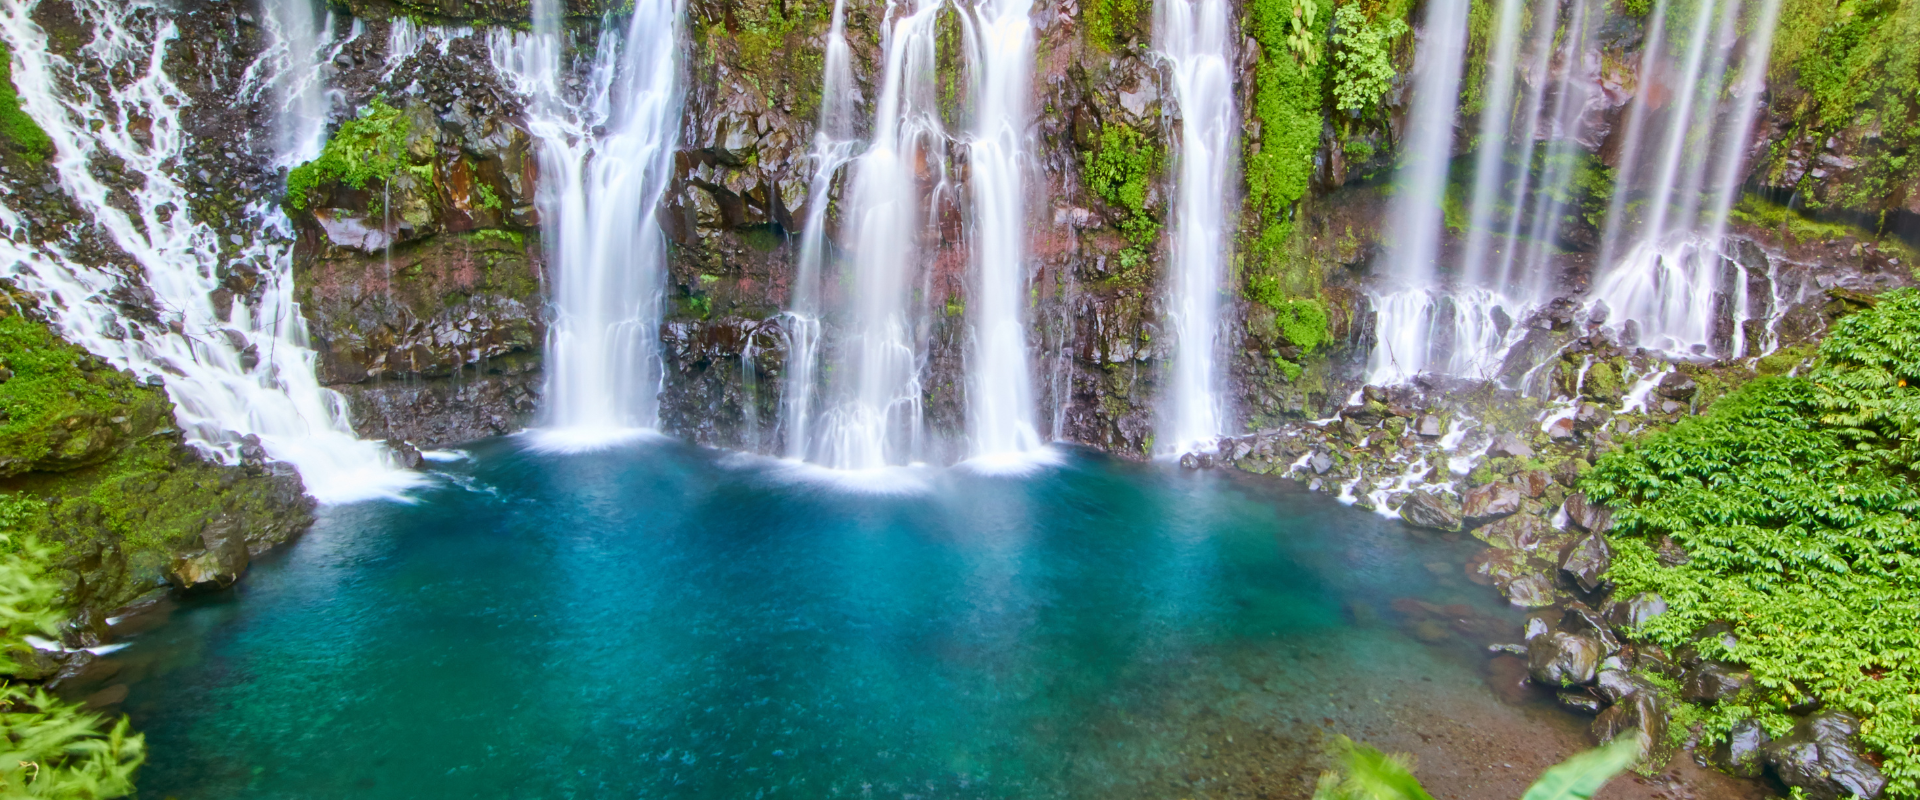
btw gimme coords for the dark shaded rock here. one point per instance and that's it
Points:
(1589, 417)
(1587, 516)
(1630, 614)
(1562, 659)
(1613, 684)
(1577, 618)
(1428, 510)
(1586, 562)
(1819, 758)
(1487, 503)
(406, 454)
(31, 664)
(1567, 472)
(1643, 712)
(217, 566)
(1744, 751)
(1581, 702)
(1713, 681)
(1509, 445)
(1677, 386)
(1669, 552)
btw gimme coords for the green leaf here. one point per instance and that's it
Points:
(1581, 776)
(1370, 775)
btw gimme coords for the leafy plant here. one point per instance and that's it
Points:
(1368, 774)
(371, 147)
(1362, 57)
(1794, 502)
(1120, 171)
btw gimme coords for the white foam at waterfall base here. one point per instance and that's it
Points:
(250, 375)
(1000, 403)
(1410, 324)
(1192, 37)
(605, 153)
(1667, 292)
(875, 394)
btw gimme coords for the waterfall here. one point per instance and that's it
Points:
(999, 387)
(606, 151)
(875, 388)
(236, 377)
(1414, 301)
(1192, 38)
(1669, 277)
(833, 144)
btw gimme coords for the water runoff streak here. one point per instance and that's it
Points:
(1663, 270)
(875, 417)
(833, 145)
(605, 153)
(1192, 37)
(999, 388)
(234, 377)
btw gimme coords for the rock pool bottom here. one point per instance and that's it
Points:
(663, 621)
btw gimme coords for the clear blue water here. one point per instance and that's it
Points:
(664, 621)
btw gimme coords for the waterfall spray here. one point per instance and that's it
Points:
(605, 156)
(999, 386)
(245, 373)
(876, 411)
(1192, 37)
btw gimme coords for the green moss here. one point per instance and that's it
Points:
(1856, 65)
(21, 132)
(1114, 22)
(60, 405)
(1121, 170)
(371, 147)
(488, 199)
(1759, 212)
(1795, 501)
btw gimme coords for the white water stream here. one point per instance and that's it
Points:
(250, 374)
(606, 130)
(875, 417)
(1192, 36)
(1000, 404)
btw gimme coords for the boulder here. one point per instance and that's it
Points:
(1589, 417)
(1587, 561)
(1743, 753)
(1581, 702)
(1533, 483)
(216, 566)
(1487, 503)
(1521, 532)
(1429, 426)
(1579, 619)
(1819, 758)
(1643, 712)
(1713, 681)
(1587, 516)
(1509, 445)
(1532, 590)
(1561, 659)
(1320, 462)
(1613, 684)
(1677, 386)
(1560, 430)
(1628, 615)
(1428, 510)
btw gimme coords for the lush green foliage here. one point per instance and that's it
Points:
(1111, 22)
(371, 147)
(1120, 171)
(1289, 96)
(20, 131)
(55, 397)
(1856, 64)
(1368, 774)
(1363, 55)
(1794, 500)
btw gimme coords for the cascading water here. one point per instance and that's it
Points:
(605, 156)
(1413, 305)
(1663, 271)
(243, 373)
(875, 388)
(833, 144)
(1192, 37)
(999, 387)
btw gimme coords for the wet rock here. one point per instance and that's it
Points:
(1509, 445)
(1428, 510)
(1490, 502)
(216, 566)
(406, 454)
(1669, 552)
(1577, 618)
(1320, 463)
(31, 664)
(1819, 758)
(1560, 430)
(1612, 684)
(1586, 562)
(1533, 483)
(1677, 386)
(1562, 659)
(1522, 532)
(1713, 681)
(1642, 712)
(1628, 615)
(1581, 702)
(1530, 591)
(1428, 426)
(1567, 473)
(1744, 752)
(1587, 516)
(1589, 417)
